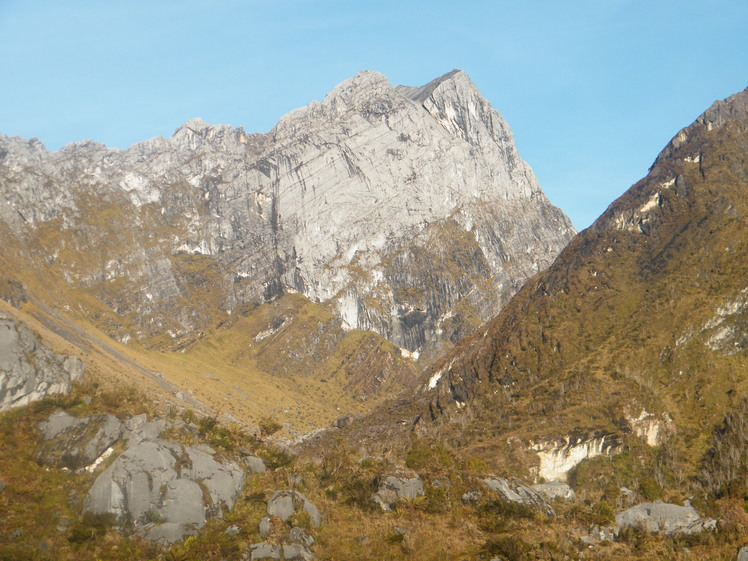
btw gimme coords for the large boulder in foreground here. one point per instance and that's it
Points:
(166, 490)
(665, 518)
(28, 370)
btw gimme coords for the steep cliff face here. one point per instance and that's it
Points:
(406, 211)
(644, 311)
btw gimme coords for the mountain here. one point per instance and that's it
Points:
(406, 212)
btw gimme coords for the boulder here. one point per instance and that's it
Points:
(513, 490)
(286, 503)
(264, 551)
(471, 497)
(254, 464)
(28, 370)
(555, 490)
(296, 552)
(161, 480)
(394, 488)
(665, 518)
(743, 554)
(74, 442)
(297, 535)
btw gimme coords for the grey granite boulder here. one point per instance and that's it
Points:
(29, 370)
(265, 526)
(665, 518)
(394, 488)
(286, 503)
(513, 490)
(157, 480)
(555, 490)
(296, 552)
(297, 535)
(264, 551)
(743, 554)
(254, 464)
(76, 443)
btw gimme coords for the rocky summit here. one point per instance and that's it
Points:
(405, 211)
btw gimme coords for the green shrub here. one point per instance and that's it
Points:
(90, 527)
(509, 547)
(650, 489)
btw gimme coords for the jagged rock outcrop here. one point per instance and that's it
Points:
(558, 458)
(406, 210)
(514, 491)
(29, 370)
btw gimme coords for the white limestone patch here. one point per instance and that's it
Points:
(558, 458)
(434, 380)
(651, 204)
(98, 461)
(649, 428)
(726, 332)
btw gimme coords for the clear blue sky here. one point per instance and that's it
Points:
(592, 89)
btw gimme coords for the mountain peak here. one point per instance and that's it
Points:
(365, 83)
(420, 94)
(720, 112)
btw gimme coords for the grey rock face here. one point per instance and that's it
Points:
(161, 480)
(264, 551)
(286, 503)
(407, 210)
(743, 554)
(555, 490)
(665, 518)
(254, 464)
(515, 491)
(77, 442)
(394, 488)
(295, 551)
(28, 370)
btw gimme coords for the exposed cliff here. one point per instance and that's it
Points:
(406, 211)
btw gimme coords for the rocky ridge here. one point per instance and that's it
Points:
(406, 211)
